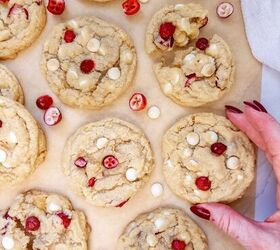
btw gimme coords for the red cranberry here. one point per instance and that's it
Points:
(137, 102)
(80, 162)
(190, 79)
(178, 245)
(167, 30)
(32, 223)
(203, 183)
(1, 123)
(65, 219)
(110, 162)
(69, 36)
(131, 7)
(202, 43)
(122, 203)
(16, 7)
(91, 181)
(56, 7)
(87, 66)
(218, 148)
(44, 102)
(4, 1)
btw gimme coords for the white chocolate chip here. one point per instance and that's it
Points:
(93, 45)
(156, 189)
(3, 156)
(187, 152)
(212, 136)
(179, 6)
(232, 162)
(208, 69)
(159, 223)
(72, 75)
(53, 207)
(101, 142)
(185, 236)
(240, 177)
(114, 73)
(169, 164)
(188, 58)
(127, 57)
(154, 112)
(131, 174)
(212, 50)
(192, 139)
(84, 82)
(73, 24)
(13, 137)
(8, 242)
(144, 1)
(167, 88)
(188, 178)
(151, 240)
(53, 64)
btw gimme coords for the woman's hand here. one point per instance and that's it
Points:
(264, 131)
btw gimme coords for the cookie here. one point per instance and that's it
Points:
(21, 22)
(163, 228)
(174, 26)
(22, 143)
(40, 220)
(107, 162)
(88, 62)
(207, 159)
(9, 85)
(198, 76)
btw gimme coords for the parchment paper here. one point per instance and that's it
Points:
(107, 224)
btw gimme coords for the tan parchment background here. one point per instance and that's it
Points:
(107, 224)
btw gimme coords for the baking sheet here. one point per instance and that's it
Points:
(107, 224)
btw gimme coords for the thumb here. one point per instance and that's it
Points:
(244, 230)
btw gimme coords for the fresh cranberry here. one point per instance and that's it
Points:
(202, 43)
(167, 30)
(16, 7)
(218, 148)
(65, 219)
(137, 102)
(69, 36)
(203, 183)
(131, 7)
(178, 245)
(32, 223)
(44, 102)
(110, 162)
(190, 79)
(87, 66)
(52, 116)
(81, 162)
(122, 203)
(56, 7)
(91, 181)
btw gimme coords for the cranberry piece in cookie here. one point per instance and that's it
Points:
(218, 148)
(69, 36)
(1, 124)
(202, 43)
(44, 102)
(65, 219)
(56, 7)
(52, 116)
(32, 223)
(122, 203)
(137, 102)
(81, 162)
(178, 245)
(87, 66)
(167, 30)
(16, 7)
(190, 79)
(131, 7)
(110, 162)
(203, 183)
(91, 181)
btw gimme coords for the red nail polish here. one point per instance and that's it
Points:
(201, 212)
(260, 106)
(251, 105)
(233, 109)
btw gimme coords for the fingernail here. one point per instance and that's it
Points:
(251, 105)
(260, 106)
(201, 212)
(233, 109)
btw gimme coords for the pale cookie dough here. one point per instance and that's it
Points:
(84, 165)
(39, 220)
(161, 229)
(194, 172)
(94, 67)
(187, 20)
(197, 77)
(9, 85)
(21, 22)
(22, 143)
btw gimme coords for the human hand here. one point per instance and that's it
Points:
(264, 131)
